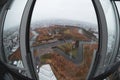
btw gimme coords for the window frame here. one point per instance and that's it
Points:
(24, 39)
(2, 20)
(114, 2)
(116, 51)
(3, 15)
(103, 39)
(98, 58)
(113, 66)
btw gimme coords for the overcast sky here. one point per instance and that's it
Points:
(80, 10)
(14, 14)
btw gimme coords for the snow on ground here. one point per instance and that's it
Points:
(46, 73)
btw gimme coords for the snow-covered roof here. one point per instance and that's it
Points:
(15, 48)
(46, 73)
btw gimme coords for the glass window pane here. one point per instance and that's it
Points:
(11, 33)
(112, 32)
(63, 38)
(118, 6)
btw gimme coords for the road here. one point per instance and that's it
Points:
(53, 44)
(79, 57)
(34, 37)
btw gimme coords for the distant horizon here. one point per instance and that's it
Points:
(63, 22)
(70, 22)
(53, 19)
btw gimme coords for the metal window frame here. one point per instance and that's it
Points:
(24, 39)
(26, 62)
(2, 2)
(95, 60)
(102, 21)
(117, 43)
(2, 19)
(114, 2)
(103, 40)
(98, 58)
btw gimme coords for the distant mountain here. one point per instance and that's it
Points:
(84, 25)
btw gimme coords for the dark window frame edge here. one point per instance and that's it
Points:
(117, 42)
(24, 39)
(103, 39)
(2, 20)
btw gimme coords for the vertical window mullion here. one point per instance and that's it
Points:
(27, 58)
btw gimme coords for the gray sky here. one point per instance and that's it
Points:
(14, 15)
(81, 10)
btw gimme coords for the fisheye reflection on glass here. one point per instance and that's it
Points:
(63, 38)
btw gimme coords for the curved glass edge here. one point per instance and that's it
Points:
(103, 38)
(11, 30)
(117, 3)
(49, 41)
(24, 39)
(115, 56)
(113, 32)
(3, 14)
(109, 64)
(2, 17)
